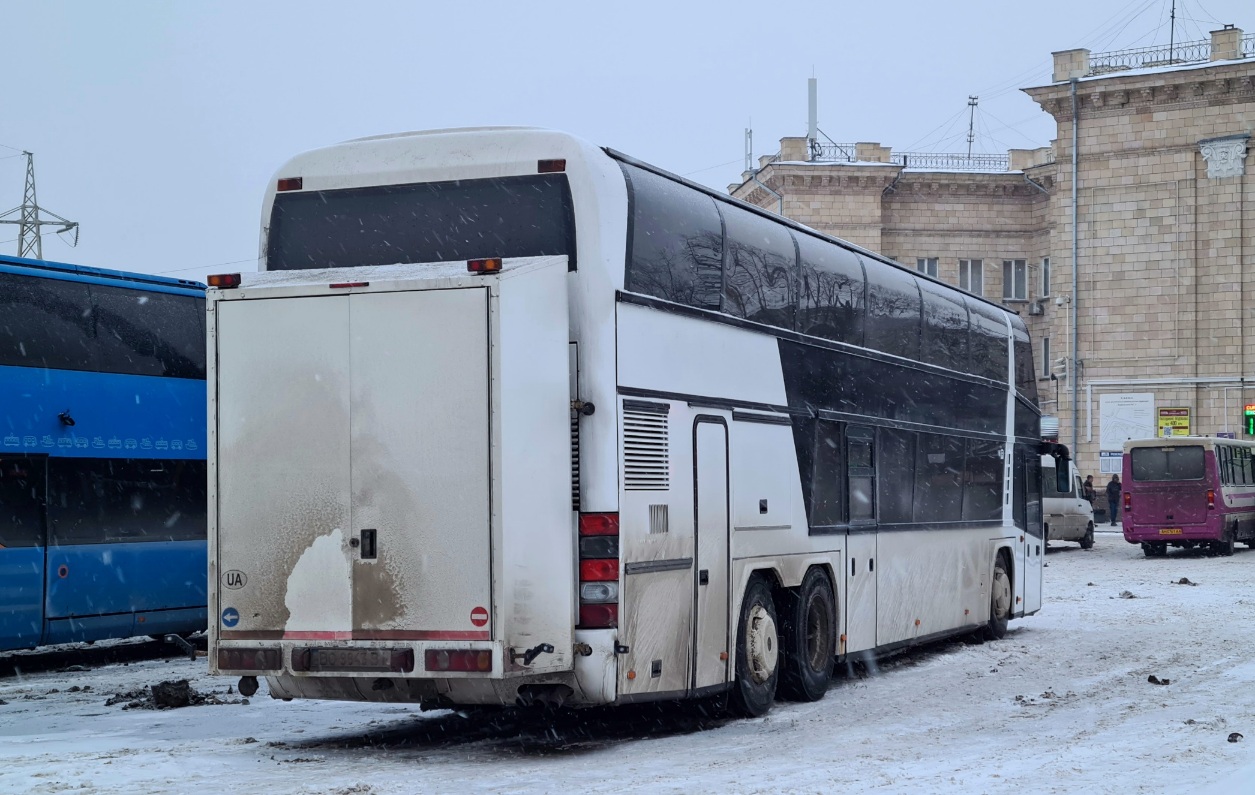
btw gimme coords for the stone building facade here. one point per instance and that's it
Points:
(1164, 298)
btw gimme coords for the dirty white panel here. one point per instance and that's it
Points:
(282, 462)
(655, 623)
(930, 576)
(420, 459)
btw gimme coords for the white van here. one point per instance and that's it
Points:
(1068, 515)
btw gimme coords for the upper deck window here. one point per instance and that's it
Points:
(676, 242)
(1167, 463)
(525, 216)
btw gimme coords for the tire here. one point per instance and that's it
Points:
(757, 653)
(808, 629)
(1000, 598)
(1225, 546)
(1087, 540)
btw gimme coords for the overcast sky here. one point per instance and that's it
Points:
(156, 125)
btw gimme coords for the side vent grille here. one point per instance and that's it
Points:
(658, 522)
(575, 461)
(646, 460)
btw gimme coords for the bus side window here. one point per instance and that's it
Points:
(896, 484)
(1224, 457)
(861, 474)
(938, 479)
(982, 494)
(761, 268)
(827, 490)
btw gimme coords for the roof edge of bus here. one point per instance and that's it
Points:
(447, 131)
(106, 273)
(852, 247)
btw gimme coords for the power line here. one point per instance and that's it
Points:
(711, 168)
(217, 264)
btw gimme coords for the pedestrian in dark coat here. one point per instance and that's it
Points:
(1113, 498)
(1088, 490)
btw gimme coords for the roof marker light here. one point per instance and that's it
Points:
(484, 266)
(290, 183)
(550, 166)
(343, 285)
(224, 281)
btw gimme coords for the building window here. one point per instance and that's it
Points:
(1045, 277)
(1014, 280)
(1045, 357)
(970, 276)
(926, 266)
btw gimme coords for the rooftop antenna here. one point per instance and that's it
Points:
(812, 118)
(971, 122)
(29, 239)
(1172, 30)
(749, 148)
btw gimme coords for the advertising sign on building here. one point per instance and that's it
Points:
(1125, 416)
(1174, 422)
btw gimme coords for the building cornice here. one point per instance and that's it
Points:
(1223, 83)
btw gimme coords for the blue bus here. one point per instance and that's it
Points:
(102, 454)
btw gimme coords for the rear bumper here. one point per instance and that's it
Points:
(1153, 534)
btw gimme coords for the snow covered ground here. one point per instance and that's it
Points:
(1062, 705)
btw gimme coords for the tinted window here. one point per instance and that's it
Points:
(45, 323)
(893, 310)
(524, 216)
(827, 488)
(97, 501)
(676, 242)
(1168, 463)
(945, 328)
(1025, 374)
(938, 478)
(988, 341)
(1031, 475)
(761, 268)
(1027, 419)
(831, 291)
(861, 469)
(21, 502)
(897, 475)
(147, 333)
(982, 495)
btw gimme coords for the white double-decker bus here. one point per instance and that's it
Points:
(508, 418)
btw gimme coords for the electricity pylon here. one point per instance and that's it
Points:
(29, 238)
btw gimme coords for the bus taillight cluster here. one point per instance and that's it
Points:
(599, 570)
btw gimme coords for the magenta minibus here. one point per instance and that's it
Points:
(1189, 491)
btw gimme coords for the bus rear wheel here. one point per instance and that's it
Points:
(757, 653)
(999, 601)
(808, 620)
(1225, 546)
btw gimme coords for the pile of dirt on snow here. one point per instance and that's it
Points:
(169, 695)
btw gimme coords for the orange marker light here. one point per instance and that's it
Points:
(483, 266)
(224, 281)
(290, 183)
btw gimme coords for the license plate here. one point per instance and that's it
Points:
(350, 659)
(1170, 531)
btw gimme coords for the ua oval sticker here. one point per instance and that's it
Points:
(479, 616)
(234, 579)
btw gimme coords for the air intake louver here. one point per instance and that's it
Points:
(575, 460)
(646, 463)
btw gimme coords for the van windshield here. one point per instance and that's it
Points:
(527, 216)
(1167, 463)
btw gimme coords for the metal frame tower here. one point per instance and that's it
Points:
(29, 238)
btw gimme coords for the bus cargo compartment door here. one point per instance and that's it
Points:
(420, 536)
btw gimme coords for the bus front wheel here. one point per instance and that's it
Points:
(999, 601)
(1087, 540)
(757, 653)
(808, 620)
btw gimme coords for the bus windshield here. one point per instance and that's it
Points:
(1167, 463)
(527, 216)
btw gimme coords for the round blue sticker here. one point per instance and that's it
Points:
(230, 617)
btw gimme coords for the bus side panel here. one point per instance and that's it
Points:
(933, 584)
(98, 579)
(535, 527)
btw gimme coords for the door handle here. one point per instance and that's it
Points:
(703, 577)
(369, 545)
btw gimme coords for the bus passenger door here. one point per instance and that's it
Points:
(1034, 545)
(860, 571)
(710, 629)
(23, 541)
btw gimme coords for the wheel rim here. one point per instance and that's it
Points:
(817, 631)
(1001, 594)
(761, 638)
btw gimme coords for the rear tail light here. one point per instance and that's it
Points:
(1211, 499)
(1128, 502)
(599, 570)
(250, 659)
(473, 660)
